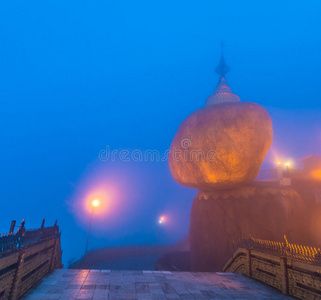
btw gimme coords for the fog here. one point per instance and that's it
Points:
(79, 76)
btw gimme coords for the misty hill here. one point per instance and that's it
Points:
(137, 257)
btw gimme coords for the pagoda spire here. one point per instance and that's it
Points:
(222, 68)
(223, 92)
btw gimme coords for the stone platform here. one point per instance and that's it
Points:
(147, 285)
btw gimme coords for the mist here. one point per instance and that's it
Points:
(78, 76)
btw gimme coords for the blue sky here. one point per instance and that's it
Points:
(76, 76)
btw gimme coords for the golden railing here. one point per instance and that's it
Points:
(290, 250)
(26, 256)
(293, 269)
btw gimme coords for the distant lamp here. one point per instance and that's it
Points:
(95, 203)
(161, 220)
(279, 163)
(287, 164)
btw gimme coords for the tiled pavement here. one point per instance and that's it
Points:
(106, 284)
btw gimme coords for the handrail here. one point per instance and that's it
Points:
(26, 256)
(286, 249)
(294, 269)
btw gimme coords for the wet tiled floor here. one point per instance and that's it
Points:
(106, 284)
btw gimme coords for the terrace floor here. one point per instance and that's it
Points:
(147, 285)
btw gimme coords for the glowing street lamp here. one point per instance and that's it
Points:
(161, 220)
(94, 205)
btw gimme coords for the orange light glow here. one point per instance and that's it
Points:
(279, 163)
(114, 189)
(161, 220)
(99, 199)
(316, 174)
(95, 203)
(287, 164)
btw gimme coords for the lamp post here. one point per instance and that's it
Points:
(94, 204)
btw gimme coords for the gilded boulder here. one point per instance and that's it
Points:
(221, 146)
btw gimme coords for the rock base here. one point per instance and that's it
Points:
(265, 211)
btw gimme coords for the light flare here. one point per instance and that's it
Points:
(162, 219)
(95, 203)
(99, 197)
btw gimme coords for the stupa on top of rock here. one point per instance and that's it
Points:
(223, 92)
(223, 144)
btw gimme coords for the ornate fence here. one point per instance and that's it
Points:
(291, 268)
(26, 256)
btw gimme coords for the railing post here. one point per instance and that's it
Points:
(248, 263)
(43, 223)
(13, 224)
(21, 233)
(53, 257)
(17, 278)
(284, 274)
(54, 253)
(284, 267)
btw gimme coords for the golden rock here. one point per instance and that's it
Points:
(221, 146)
